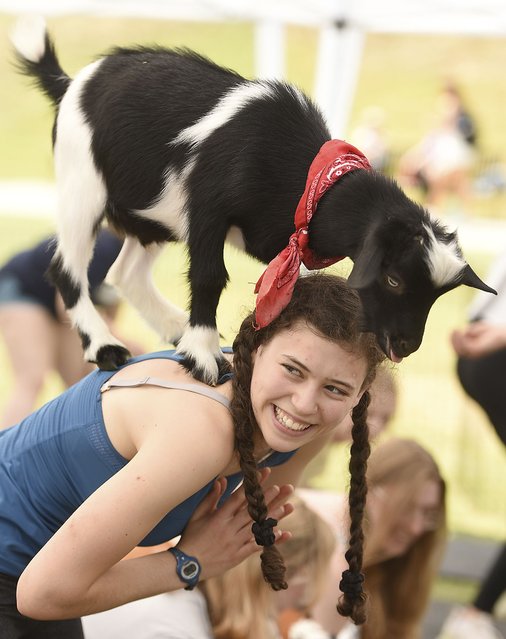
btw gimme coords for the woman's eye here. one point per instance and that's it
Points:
(335, 390)
(392, 282)
(291, 369)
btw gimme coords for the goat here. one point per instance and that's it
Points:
(168, 146)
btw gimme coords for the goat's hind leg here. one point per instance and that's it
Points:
(77, 226)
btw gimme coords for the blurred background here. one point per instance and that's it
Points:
(380, 72)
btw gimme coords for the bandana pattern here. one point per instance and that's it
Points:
(275, 286)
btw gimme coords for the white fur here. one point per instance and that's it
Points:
(81, 201)
(28, 37)
(203, 344)
(226, 109)
(81, 189)
(169, 210)
(445, 264)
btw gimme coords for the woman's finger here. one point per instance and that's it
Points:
(210, 501)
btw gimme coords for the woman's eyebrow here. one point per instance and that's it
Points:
(338, 382)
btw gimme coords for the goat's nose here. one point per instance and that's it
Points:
(403, 346)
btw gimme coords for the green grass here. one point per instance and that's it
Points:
(401, 74)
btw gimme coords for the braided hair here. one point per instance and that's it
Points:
(332, 310)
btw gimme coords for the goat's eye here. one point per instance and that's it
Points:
(392, 282)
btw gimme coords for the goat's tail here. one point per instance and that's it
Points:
(36, 57)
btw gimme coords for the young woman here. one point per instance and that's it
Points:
(405, 537)
(124, 458)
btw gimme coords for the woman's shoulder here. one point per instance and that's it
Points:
(156, 399)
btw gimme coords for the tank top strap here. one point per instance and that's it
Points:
(157, 381)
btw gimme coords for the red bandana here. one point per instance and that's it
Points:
(275, 286)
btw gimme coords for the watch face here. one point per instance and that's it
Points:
(190, 569)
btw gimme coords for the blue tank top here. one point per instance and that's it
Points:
(57, 457)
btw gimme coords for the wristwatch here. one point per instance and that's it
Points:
(187, 568)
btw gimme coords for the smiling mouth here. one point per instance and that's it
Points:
(285, 420)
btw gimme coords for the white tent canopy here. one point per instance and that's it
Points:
(343, 26)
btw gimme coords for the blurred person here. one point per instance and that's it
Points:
(35, 327)
(481, 369)
(238, 604)
(369, 137)
(441, 163)
(405, 536)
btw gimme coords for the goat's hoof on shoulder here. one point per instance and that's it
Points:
(205, 373)
(111, 356)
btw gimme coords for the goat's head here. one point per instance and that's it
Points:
(399, 271)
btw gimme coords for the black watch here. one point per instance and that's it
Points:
(188, 568)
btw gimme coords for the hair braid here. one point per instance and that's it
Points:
(273, 567)
(352, 602)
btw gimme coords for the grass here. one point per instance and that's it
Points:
(402, 75)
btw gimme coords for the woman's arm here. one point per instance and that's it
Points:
(219, 537)
(79, 570)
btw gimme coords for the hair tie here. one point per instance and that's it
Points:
(263, 531)
(351, 583)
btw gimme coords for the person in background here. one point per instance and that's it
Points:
(441, 163)
(369, 137)
(481, 369)
(35, 327)
(404, 541)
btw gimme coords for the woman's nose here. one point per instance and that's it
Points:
(305, 401)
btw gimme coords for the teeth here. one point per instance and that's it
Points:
(283, 418)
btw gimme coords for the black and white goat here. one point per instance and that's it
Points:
(170, 147)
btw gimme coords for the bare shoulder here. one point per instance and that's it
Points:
(137, 415)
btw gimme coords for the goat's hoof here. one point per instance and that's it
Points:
(110, 357)
(202, 373)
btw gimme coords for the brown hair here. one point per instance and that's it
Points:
(399, 588)
(328, 306)
(241, 605)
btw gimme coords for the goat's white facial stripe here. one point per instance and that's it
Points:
(225, 109)
(445, 264)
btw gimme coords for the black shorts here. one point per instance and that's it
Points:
(14, 625)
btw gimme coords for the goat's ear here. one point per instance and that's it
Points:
(469, 278)
(366, 264)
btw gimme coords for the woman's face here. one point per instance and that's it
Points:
(398, 520)
(303, 386)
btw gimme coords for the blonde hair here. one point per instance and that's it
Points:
(240, 603)
(399, 588)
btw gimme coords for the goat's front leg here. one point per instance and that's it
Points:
(199, 346)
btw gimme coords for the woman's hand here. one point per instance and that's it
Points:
(221, 537)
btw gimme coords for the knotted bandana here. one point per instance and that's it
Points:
(275, 286)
